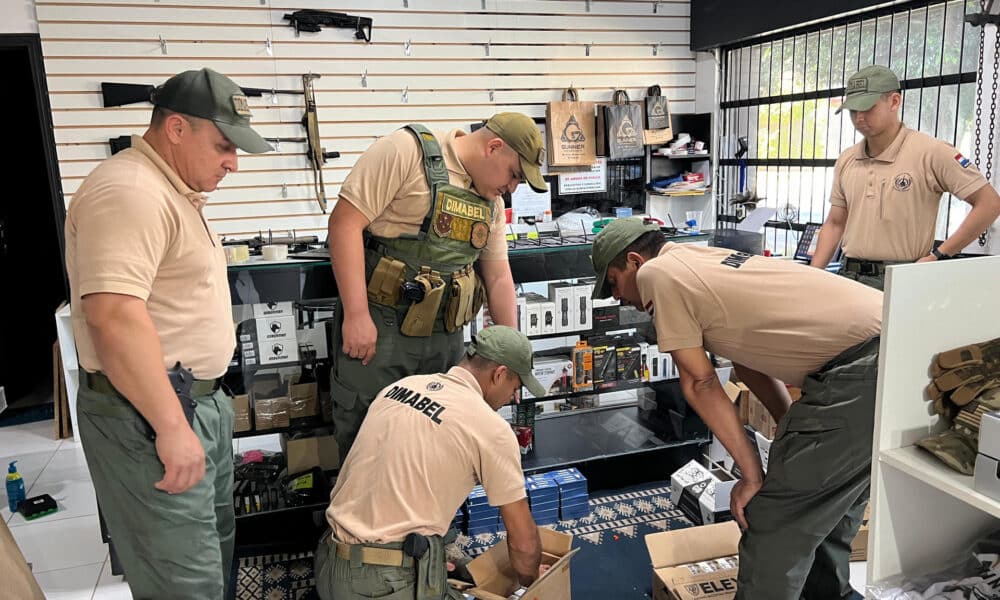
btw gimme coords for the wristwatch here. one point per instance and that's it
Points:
(940, 255)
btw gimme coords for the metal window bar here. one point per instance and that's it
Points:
(792, 171)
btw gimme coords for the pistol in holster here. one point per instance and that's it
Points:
(181, 380)
(420, 317)
(431, 564)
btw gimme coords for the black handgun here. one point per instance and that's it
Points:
(182, 380)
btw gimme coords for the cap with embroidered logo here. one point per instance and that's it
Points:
(522, 135)
(210, 95)
(865, 87)
(510, 348)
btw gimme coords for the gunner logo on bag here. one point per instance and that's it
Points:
(626, 132)
(572, 134)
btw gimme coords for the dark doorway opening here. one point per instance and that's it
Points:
(32, 275)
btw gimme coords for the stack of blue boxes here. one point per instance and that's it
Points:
(574, 502)
(543, 495)
(483, 518)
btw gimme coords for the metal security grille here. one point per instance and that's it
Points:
(780, 93)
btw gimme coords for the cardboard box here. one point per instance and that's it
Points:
(18, 581)
(303, 454)
(760, 418)
(270, 413)
(740, 394)
(496, 579)
(555, 373)
(562, 295)
(303, 400)
(241, 413)
(859, 546)
(696, 563)
(584, 306)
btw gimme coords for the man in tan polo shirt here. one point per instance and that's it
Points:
(149, 291)
(887, 188)
(402, 255)
(780, 323)
(426, 442)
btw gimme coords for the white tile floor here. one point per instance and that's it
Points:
(65, 550)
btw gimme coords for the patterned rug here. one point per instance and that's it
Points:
(612, 562)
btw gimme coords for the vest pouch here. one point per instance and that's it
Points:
(383, 287)
(478, 297)
(456, 313)
(420, 317)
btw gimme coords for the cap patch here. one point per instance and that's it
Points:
(859, 84)
(240, 105)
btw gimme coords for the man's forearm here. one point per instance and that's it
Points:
(526, 561)
(980, 218)
(772, 393)
(131, 356)
(500, 293)
(829, 238)
(709, 400)
(347, 258)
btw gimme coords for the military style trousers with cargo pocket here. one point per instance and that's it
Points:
(353, 386)
(803, 519)
(170, 545)
(348, 577)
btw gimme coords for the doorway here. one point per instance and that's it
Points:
(32, 275)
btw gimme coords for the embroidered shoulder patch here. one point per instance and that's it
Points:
(962, 160)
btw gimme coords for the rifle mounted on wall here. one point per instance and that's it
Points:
(314, 21)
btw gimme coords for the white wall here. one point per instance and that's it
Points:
(18, 16)
(537, 48)
(705, 99)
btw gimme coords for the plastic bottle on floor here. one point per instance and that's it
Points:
(15, 487)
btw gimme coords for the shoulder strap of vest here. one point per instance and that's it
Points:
(434, 169)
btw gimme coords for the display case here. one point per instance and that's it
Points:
(279, 374)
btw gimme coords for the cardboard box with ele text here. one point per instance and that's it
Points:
(496, 579)
(697, 563)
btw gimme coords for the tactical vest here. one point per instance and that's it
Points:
(457, 225)
(451, 236)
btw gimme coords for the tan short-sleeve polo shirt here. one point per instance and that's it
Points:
(426, 442)
(389, 187)
(892, 200)
(135, 228)
(777, 317)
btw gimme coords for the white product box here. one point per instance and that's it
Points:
(534, 318)
(584, 306)
(548, 317)
(562, 295)
(522, 314)
(554, 373)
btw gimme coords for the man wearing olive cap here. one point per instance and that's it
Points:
(416, 211)
(887, 188)
(149, 290)
(780, 323)
(427, 440)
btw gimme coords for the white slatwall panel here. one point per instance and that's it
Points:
(536, 48)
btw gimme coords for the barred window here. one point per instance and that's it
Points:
(780, 93)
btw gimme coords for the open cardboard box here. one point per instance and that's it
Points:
(496, 580)
(673, 552)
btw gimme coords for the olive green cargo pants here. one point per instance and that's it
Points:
(353, 386)
(170, 545)
(802, 521)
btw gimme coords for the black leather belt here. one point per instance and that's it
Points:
(864, 267)
(100, 383)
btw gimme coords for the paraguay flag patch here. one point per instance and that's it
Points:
(962, 160)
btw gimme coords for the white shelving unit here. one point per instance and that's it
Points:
(924, 514)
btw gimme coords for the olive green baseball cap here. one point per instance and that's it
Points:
(522, 135)
(865, 87)
(213, 96)
(510, 348)
(609, 243)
